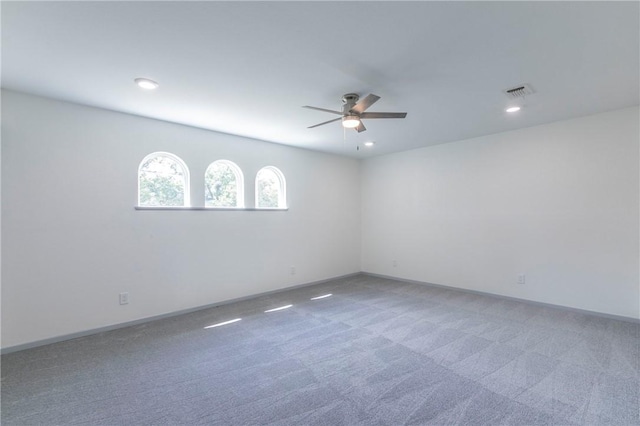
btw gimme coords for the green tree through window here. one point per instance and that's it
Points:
(223, 185)
(162, 179)
(270, 188)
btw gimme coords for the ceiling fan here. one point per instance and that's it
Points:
(353, 112)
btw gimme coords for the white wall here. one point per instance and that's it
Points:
(557, 202)
(71, 239)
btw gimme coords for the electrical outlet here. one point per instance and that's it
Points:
(293, 270)
(124, 298)
(394, 263)
(521, 278)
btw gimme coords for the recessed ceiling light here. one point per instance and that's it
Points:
(145, 83)
(513, 109)
(369, 143)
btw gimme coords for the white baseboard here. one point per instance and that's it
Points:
(499, 296)
(84, 333)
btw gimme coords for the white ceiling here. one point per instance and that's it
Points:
(246, 68)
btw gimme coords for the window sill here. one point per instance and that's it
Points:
(251, 209)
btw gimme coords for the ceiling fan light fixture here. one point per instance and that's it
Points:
(353, 112)
(369, 143)
(147, 84)
(350, 121)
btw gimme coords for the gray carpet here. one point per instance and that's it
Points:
(376, 352)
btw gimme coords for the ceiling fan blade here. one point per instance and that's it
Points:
(365, 103)
(361, 127)
(326, 122)
(383, 115)
(322, 109)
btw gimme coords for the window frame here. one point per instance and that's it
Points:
(237, 171)
(282, 193)
(185, 174)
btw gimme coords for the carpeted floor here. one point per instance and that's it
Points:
(376, 352)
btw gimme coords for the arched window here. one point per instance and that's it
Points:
(271, 189)
(163, 181)
(223, 185)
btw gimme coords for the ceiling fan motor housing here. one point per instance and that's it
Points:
(349, 101)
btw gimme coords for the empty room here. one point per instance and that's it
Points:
(320, 213)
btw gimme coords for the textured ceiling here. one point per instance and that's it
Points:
(246, 68)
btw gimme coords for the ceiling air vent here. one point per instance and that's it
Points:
(519, 91)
